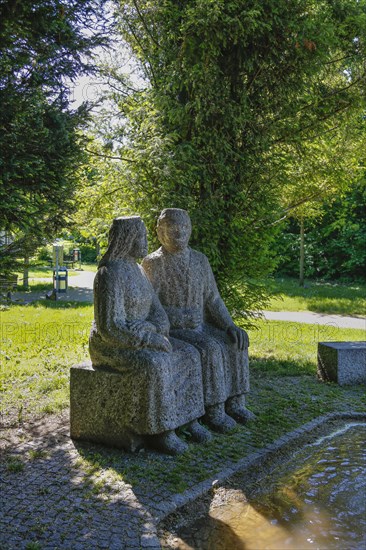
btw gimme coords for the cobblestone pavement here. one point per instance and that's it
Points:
(50, 499)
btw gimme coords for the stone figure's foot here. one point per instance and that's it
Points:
(235, 407)
(198, 432)
(169, 443)
(241, 414)
(217, 419)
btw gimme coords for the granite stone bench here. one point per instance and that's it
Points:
(342, 362)
(97, 408)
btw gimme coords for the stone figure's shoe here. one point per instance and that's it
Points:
(217, 419)
(241, 414)
(235, 407)
(169, 443)
(198, 432)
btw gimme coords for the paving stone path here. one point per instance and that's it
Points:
(48, 501)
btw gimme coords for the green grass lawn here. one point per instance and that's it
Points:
(319, 297)
(41, 341)
(290, 349)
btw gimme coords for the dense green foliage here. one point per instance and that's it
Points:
(44, 46)
(235, 91)
(334, 241)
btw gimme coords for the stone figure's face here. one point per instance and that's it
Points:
(174, 233)
(139, 246)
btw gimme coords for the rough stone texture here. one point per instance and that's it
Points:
(98, 403)
(104, 407)
(342, 362)
(186, 287)
(154, 383)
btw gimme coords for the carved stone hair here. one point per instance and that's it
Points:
(121, 238)
(177, 214)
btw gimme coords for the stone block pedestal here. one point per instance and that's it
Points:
(342, 362)
(97, 408)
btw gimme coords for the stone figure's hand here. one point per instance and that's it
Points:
(138, 327)
(239, 337)
(158, 342)
(196, 318)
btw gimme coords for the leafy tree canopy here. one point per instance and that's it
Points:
(44, 45)
(44, 42)
(335, 239)
(235, 91)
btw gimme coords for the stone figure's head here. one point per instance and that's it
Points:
(127, 238)
(174, 229)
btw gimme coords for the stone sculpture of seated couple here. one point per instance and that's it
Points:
(164, 327)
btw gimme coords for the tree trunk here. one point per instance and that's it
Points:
(26, 272)
(302, 252)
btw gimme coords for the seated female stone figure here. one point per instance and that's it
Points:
(185, 285)
(162, 377)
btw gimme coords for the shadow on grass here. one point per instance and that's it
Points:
(39, 287)
(322, 297)
(340, 306)
(262, 367)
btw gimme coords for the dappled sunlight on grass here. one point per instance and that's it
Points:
(318, 297)
(285, 348)
(39, 343)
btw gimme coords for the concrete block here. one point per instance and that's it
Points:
(342, 362)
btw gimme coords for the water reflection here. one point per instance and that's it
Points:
(316, 500)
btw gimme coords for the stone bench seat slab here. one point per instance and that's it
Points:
(342, 362)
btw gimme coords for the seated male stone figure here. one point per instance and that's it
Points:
(186, 287)
(162, 377)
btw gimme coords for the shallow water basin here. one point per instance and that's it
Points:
(316, 500)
